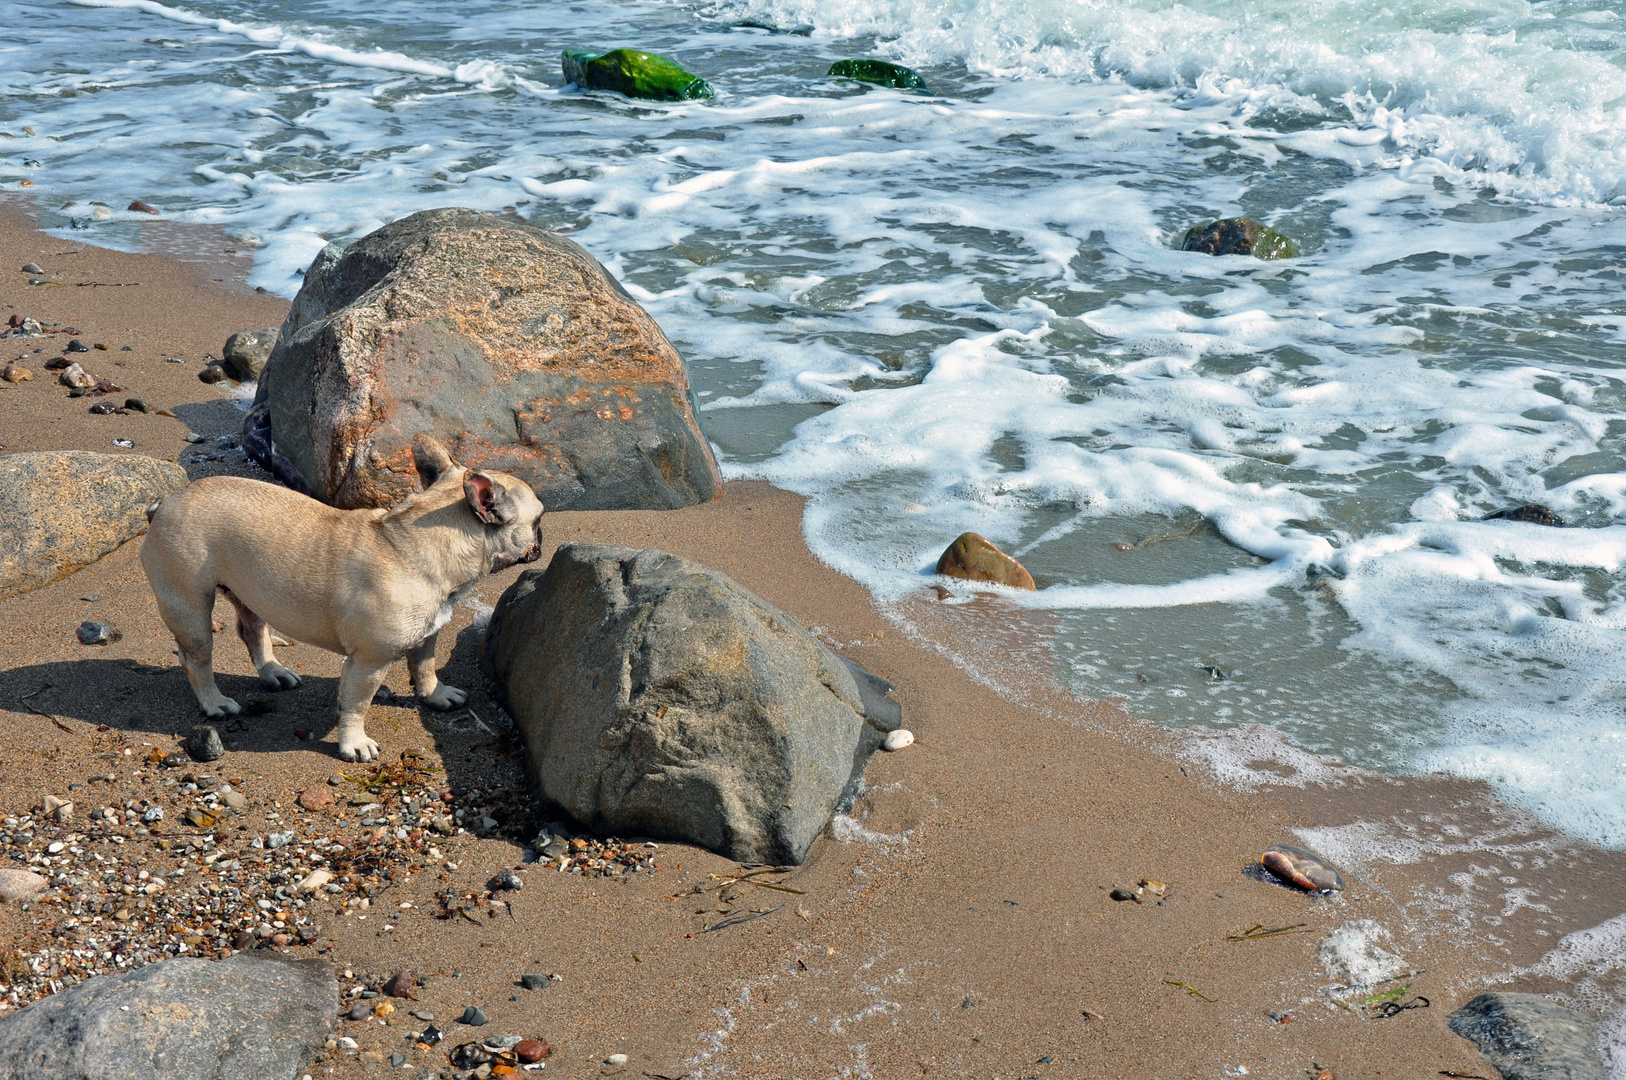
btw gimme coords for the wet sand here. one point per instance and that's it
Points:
(958, 925)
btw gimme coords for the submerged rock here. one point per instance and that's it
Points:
(879, 72)
(512, 346)
(1239, 236)
(1303, 868)
(1535, 514)
(659, 698)
(636, 74)
(254, 1015)
(1528, 1037)
(974, 558)
(62, 510)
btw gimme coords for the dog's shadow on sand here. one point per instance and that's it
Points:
(153, 704)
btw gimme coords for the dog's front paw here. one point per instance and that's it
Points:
(357, 748)
(445, 697)
(221, 707)
(277, 677)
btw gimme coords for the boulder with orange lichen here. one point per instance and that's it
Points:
(512, 346)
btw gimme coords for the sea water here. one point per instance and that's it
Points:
(1252, 493)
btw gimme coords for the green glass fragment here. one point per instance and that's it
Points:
(877, 71)
(636, 74)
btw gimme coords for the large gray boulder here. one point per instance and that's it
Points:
(61, 510)
(256, 1016)
(510, 345)
(1528, 1037)
(657, 697)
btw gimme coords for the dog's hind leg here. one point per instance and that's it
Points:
(431, 691)
(358, 682)
(191, 620)
(256, 634)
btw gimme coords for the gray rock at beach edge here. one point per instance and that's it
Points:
(256, 1016)
(658, 697)
(511, 345)
(246, 352)
(61, 510)
(1530, 1037)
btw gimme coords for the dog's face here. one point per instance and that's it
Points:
(505, 505)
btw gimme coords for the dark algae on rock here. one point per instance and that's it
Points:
(637, 74)
(879, 72)
(1239, 236)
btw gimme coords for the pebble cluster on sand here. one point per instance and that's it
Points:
(161, 859)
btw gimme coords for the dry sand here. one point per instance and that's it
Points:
(958, 925)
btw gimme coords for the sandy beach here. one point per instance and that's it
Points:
(958, 923)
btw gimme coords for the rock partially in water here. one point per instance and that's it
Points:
(1303, 868)
(637, 74)
(1240, 236)
(879, 72)
(974, 558)
(246, 352)
(1534, 513)
(1528, 1037)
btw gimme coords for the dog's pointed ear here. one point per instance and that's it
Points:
(489, 500)
(431, 459)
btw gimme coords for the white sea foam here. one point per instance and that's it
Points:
(1353, 955)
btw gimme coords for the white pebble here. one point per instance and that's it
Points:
(897, 740)
(616, 1059)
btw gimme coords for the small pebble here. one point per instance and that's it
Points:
(397, 1060)
(124, 444)
(617, 1059)
(78, 346)
(143, 208)
(76, 377)
(204, 744)
(360, 1011)
(16, 373)
(473, 1017)
(897, 740)
(535, 982)
(423, 1014)
(33, 268)
(347, 1043)
(135, 404)
(530, 1051)
(102, 408)
(1121, 894)
(213, 373)
(95, 632)
(1303, 868)
(192, 437)
(402, 985)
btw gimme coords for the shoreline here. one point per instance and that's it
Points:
(962, 928)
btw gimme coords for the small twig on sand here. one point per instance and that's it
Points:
(41, 712)
(104, 284)
(1257, 931)
(726, 923)
(1188, 988)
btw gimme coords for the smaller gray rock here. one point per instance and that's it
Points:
(17, 886)
(535, 982)
(473, 1017)
(1529, 1037)
(255, 1015)
(77, 346)
(213, 373)
(135, 404)
(33, 268)
(247, 351)
(204, 744)
(360, 1011)
(95, 632)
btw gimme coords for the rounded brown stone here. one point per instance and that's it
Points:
(974, 558)
(316, 797)
(531, 1051)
